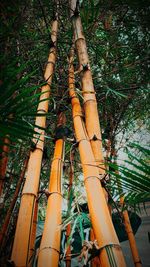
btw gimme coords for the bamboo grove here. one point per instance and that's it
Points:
(74, 144)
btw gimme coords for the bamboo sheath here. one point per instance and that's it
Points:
(49, 252)
(20, 252)
(12, 204)
(111, 253)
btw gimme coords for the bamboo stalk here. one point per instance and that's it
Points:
(127, 224)
(12, 204)
(131, 237)
(111, 253)
(20, 252)
(49, 251)
(68, 229)
(90, 103)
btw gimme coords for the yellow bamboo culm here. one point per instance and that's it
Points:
(89, 95)
(20, 252)
(49, 252)
(127, 224)
(111, 252)
(131, 237)
(90, 103)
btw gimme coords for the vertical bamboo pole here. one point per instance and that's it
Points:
(90, 103)
(12, 204)
(68, 230)
(131, 238)
(127, 224)
(49, 251)
(3, 162)
(20, 252)
(111, 253)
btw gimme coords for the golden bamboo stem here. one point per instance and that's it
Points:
(131, 237)
(111, 253)
(12, 204)
(20, 252)
(127, 224)
(90, 103)
(49, 251)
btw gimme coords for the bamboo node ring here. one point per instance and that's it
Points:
(79, 115)
(43, 110)
(84, 139)
(130, 232)
(111, 245)
(89, 100)
(80, 38)
(55, 193)
(71, 97)
(50, 62)
(39, 148)
(86, 178)
(48, 248)
(88, 92)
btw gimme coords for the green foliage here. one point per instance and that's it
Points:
(77, 220)
(133, 178)
(17, 103)
(118, 48)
